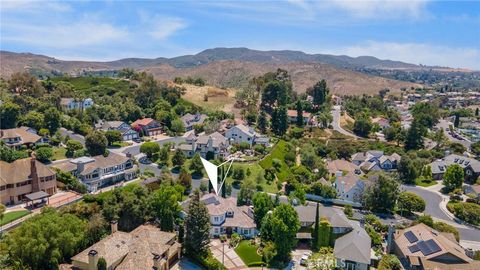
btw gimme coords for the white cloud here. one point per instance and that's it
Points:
(86, 32)
(164, 27)
(416, 53)
(33, 6)
(382, 8)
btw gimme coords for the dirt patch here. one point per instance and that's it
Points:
(218, 99)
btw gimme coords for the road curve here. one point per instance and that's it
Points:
(336, 122)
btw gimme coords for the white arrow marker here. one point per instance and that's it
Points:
(212, 172)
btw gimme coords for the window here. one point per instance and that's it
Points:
(215, 219)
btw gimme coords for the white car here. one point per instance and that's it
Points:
(304, 259)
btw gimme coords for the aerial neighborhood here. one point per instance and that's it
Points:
(238, 158)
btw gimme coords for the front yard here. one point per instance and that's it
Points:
(11, 216)
(422, 183)
(248, 253)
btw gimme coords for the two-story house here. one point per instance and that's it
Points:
(353, 251)
(349, 187)
(227, 218)
(470, 166)
(99, 171)
(190, 120)
(127, 132)
(376, 160)
(148, 126)
(75, 104)
(307, 213)
(23, 177)
(208, 146)
(16, 137)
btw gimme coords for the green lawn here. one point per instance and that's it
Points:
(255, 170)
(248, 253)
(59, 153)
(421, 183)
(11, 216)
(278, 152)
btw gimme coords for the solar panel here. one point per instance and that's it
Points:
(413, 248)
(411, 237)
(428, 247)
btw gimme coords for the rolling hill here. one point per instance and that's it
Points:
(231, 67)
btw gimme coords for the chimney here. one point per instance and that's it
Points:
(92, 260)
(157, 261)
(114, 226)
(34, 174)
(80, 167)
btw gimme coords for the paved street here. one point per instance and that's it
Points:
(446, 124)
(135, 149)
(336, 122)
(433, 208)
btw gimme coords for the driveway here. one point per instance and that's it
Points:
(185, 264)
(135, 149)
(336, 122)
(223, 253)
(65, 132)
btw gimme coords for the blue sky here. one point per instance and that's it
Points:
(416, 31)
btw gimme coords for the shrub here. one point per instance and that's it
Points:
(44, 154)
(468, 212)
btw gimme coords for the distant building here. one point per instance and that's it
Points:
(306, 214)
(75, 104)
(127, 132)
(23, 177)
(148, 126)
(16, 137)
(146, 247)
(292, 116)
(341, 165)
(190, 120)
(382, 122)
(228, 218)
(421, 247)
(99, 171)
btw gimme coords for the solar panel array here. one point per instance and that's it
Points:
(413, 248)
(428, 247)
(411, 237)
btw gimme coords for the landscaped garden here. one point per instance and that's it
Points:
(424, 183)
(11, 216)
(278, 156)
(248, 253)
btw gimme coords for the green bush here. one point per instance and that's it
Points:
(469, 212)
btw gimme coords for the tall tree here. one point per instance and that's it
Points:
(414, 139)
(453, 177)
(9, 113)
(382, 195)
(262, 122)
(299, 113)
(262, 203)
(456, 122)
(113, 136)
(96, 143)
(319, 92)
(247, 190)
(178, 158)
(149, 148)
(34, 120)
(196, 165)
(197, 227)
(52, 119)
(185, 179)
(164, 206)
(363, 125)
(324, 233)
(316, 229)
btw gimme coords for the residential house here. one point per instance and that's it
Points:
(227, 218)
(148, 126)
(421, 247)
(127, 132)
(245, 134)
(190, 120)
(208, 146)
(100, 171)
(23, 177)
(306, 214)
(146, 247)
(383, 123)
(16, 137)
(349, 187)
(341, 165)
(292, 116)
(470, 166)
(75, 104)
(473, 191)
(353, 250)
(374, 160)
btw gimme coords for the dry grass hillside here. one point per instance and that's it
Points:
(218, 99)
(236, 74)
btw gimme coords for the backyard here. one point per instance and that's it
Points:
(248, 253)
(11, 216)
(278, 153)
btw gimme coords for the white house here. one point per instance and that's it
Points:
(241, 134)
(73, 104)
(127, 132)
(376, 160)
(349, 187)
(228, 218)
(190, 120)
(208, 146)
